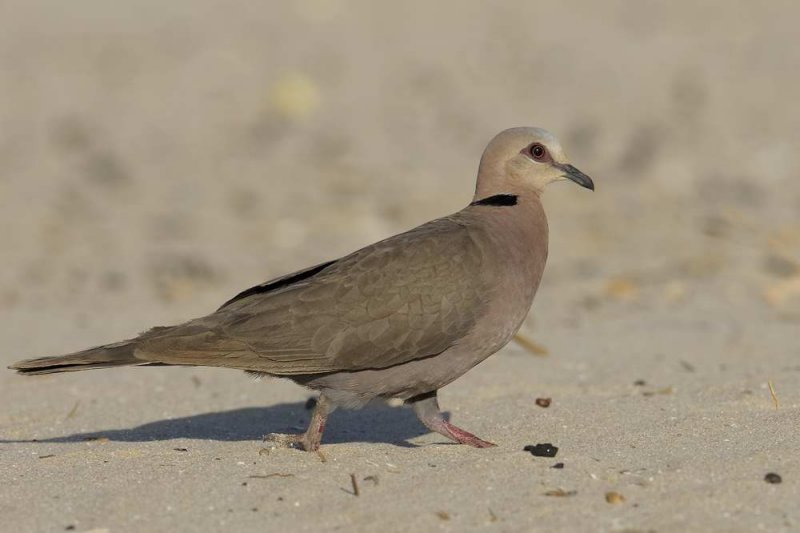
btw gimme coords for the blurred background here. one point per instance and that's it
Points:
(156, 158)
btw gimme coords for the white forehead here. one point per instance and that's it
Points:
(511, 141)
(540, 134)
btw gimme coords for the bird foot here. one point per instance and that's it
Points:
(426, 407)
(294, 440)
(465, 437)
(311, 439)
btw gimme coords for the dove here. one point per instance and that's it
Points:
(400, 318)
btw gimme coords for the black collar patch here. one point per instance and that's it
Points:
(498, 200)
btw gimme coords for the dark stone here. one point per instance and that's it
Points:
(542, 450)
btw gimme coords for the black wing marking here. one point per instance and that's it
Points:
(279, 283)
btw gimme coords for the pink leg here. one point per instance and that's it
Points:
(427, 410)
(311, 439)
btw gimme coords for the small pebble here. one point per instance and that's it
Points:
(558, 466)
(542, 450)
(773, 478)
(614, 497)
(543, 402)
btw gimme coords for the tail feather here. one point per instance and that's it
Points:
(109, 355)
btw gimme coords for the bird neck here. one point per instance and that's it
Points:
(500, 177)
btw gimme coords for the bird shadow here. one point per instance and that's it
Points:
(373, 424)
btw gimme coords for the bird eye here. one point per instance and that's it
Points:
(538, 152)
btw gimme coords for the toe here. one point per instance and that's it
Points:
(281, 439)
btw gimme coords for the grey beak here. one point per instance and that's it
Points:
(576, 175)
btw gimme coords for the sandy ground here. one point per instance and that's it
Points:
(157, 158)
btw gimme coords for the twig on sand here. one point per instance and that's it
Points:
(530, 346)
(73, 410)
(354, 482)
(267, 476)
(772, 393)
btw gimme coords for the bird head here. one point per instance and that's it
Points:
(525, 159)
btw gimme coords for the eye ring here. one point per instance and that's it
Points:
(538, 152)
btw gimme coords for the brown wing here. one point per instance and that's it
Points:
(408, 297)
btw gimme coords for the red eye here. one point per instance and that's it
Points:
(538, 152)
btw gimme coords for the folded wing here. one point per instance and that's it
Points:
(411, 296)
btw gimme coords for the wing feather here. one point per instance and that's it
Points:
(411, 296)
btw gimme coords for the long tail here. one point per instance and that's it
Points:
(116, 354)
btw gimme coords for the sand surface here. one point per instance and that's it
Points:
(157, 158)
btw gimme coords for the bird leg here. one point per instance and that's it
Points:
(426, 407)
(311, 439)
